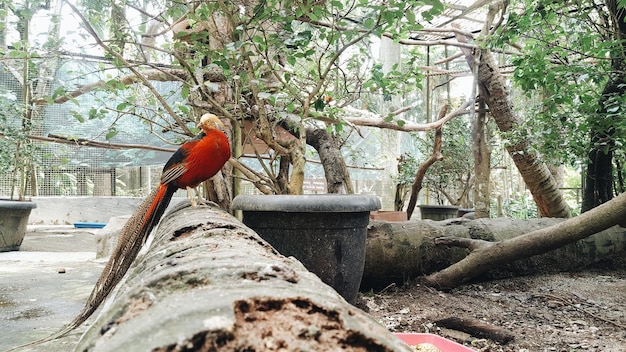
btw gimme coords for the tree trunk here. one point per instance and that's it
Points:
(400, 251)
(335, 170)
(209, 283)
(599, 176)
(482, 164)
(598, 187)
(485, 255)
(535, 173)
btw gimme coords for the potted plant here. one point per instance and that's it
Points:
(17, 155)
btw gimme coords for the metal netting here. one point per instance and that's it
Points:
(72, 168)
(65, 166)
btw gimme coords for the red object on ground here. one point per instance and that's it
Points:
(441, 343)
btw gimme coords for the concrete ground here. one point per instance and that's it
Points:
(36, 297)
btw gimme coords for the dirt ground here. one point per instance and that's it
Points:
(553, 312)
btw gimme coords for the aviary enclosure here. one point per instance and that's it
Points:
(97, 131)
(509, 109)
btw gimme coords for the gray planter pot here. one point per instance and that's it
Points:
(438, 212)
(326, 232)
(13, 220)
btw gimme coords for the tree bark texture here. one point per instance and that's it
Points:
(485, 255)
(482, 164)
(401, 251)
(535, 173)
(329, 151)
(335, 170)
(209, 283)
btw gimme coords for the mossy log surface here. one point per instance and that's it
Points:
(209, 283)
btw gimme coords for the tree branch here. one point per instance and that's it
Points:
(143, 79)
(366, 118)
(421, 171)
(161, 75)
(536, 242)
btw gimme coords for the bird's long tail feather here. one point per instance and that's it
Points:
(130, 241)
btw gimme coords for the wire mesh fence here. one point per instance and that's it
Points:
(72, 168)
(63, 132)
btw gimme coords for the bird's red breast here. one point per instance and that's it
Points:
(200, 158)
(204, 158)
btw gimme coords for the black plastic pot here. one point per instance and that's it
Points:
(326, 232)
(438, 212)
(13, 220)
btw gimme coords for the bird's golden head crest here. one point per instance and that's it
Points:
(210, 122)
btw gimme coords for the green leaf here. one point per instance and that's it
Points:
(426, 15)
(78, 116)
(410, 17)
(184, 91)
(258, 39)
(338, 5)
(112, 133)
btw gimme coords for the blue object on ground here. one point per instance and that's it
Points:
(91, 225)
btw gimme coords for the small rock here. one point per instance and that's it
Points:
(405, 310)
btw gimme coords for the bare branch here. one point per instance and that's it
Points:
(366, 118)
(96, 144)
(143, 79)
(421, 170)
(152, 75)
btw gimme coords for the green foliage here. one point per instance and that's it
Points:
(449, 175)
(17, 153)
(565, 64)
(288, 51)
(520, 206)
(284, 57)
(407, 167)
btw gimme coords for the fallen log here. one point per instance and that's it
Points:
(398, 252)
(209, 283)
(485, 255)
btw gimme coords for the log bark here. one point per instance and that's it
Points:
(487, 255)
(398, 252)
(209, 283)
